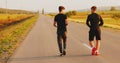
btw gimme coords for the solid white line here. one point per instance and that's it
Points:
(87, 46)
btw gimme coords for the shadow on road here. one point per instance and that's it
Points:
(47, 57)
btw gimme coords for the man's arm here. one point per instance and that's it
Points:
(101, 21)
(55, 24)
(66, 22)
(87, 21)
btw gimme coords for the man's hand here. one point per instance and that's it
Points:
(55, 24)
(66, 22)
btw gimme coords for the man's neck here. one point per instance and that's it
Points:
(61, 13)
(94, 12)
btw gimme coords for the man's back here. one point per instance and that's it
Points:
(95, 20)
(60, 21)
(61, 24)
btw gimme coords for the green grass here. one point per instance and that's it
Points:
(108, 22)
(112, 21)
(111, 18)
(12, 36)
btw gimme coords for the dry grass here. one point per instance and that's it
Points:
(9, 18)
(12, 36)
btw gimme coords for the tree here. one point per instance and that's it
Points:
(43, 11)
(113, 8)
(74, 12)
(70, 13)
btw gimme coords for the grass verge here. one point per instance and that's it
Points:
(108, 22)
(12, 36)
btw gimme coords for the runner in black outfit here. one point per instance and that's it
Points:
(60, 21)
(94, 21)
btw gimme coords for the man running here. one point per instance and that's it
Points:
(60, 21)
(94, 21)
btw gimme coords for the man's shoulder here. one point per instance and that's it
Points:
(60, 15)
(94, 14)
(64, 14)
(56, 15)
(97, 14)
(89, 15)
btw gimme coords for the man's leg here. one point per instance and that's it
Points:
(64, 39)
(91, 44)
(64, 36)
(91, 38)
(98, 38)
(97, 45)
(59, 39)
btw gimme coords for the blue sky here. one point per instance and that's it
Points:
(51, 5)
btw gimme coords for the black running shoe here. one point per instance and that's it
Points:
(64, 52)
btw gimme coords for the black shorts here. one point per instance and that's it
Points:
(95, 33)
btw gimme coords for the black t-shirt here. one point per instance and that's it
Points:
(94, 21)
(61, 25)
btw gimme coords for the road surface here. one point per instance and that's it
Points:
(40, 45)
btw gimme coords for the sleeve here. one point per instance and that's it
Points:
(101, 21)
(65, 16)
(55, 19)
(87, 21)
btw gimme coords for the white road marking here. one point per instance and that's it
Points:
(87, 46)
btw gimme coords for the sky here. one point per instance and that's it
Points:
(52, 5)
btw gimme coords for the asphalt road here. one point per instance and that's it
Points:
(40, 45)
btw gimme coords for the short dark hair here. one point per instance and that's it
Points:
(94, 8)
(61, 8)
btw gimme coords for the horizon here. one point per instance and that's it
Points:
(37, 5)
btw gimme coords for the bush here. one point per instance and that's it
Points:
(70, 13)
(113, 9)
(116, 16)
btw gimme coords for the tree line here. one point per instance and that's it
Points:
(12, 11)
